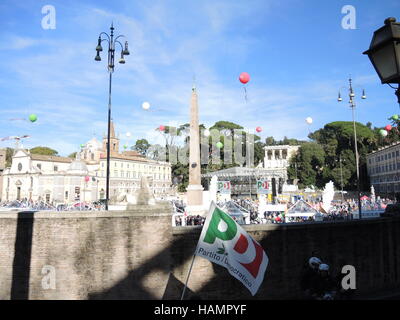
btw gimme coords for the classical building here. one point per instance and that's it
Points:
(243, 180)
(277, 157)
(64, 180)
(383, 166)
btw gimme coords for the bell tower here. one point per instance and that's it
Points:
(114, 146)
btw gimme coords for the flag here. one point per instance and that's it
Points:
(226, 243)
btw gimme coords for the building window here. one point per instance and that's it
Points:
(66, 194)
(55, 168)
(39, 166)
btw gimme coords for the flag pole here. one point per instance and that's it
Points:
(212, 207)
(190, 270)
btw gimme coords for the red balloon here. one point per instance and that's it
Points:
(244, 77)
(388, 127)
(258, 129)
(162, 128)
(87, 178)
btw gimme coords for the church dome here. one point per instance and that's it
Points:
(94, 144)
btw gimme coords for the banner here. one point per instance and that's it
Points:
(263, 187)
(226, 243)
(224, 186)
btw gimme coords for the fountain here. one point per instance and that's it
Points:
(327, 196)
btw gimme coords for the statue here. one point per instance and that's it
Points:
(372, 194)
(143, 196)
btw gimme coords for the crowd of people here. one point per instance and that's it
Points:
(318, 283)
(40, 205)
(340, 210)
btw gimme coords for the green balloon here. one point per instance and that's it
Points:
(125, 146)
(395, 117)
(219, 145)
(82, 145)
(33, 117)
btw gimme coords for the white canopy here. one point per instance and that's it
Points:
(302, 209)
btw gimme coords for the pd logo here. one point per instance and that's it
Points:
(224, 186)
(238, 244)
(263, 186)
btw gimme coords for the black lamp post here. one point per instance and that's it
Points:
(110, 65)
(384, 53)
(353, 106)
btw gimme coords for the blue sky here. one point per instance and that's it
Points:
(296, 52)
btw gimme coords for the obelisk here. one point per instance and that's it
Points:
(194, 189)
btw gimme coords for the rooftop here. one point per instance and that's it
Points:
(40, 157)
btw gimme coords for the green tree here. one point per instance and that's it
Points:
(270, 141)
(72, 155)
(337, 138)
(141, 146)
(309, 163)
(44, 151)
(9, 155)
(226, 127)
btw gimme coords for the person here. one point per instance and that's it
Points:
(310, 273)
(323, 286)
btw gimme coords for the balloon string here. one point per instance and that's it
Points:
(245, 93)
(17, 119)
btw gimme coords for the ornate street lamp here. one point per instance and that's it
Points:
(384, 53)
(353, 106)
(110, 65)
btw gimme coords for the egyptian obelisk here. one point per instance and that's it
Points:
(194, 189)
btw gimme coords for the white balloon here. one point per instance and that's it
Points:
(309, 120)
(206, 133)
(128, 134)
(384, 133)
(146, 105)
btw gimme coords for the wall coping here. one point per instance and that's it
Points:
(281, 227)
(140, 211)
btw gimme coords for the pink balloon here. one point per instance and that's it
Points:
(87, 178)
(258, 129)
(388, 127)
(244, 77)
(162, 128)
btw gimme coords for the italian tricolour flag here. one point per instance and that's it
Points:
(226, 243)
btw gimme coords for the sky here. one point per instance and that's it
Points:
(297, 53)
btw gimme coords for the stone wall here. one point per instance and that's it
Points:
(136, 254)
(371, 246)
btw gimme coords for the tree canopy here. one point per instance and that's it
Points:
(44, 151)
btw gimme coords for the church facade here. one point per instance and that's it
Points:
(65, 180)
